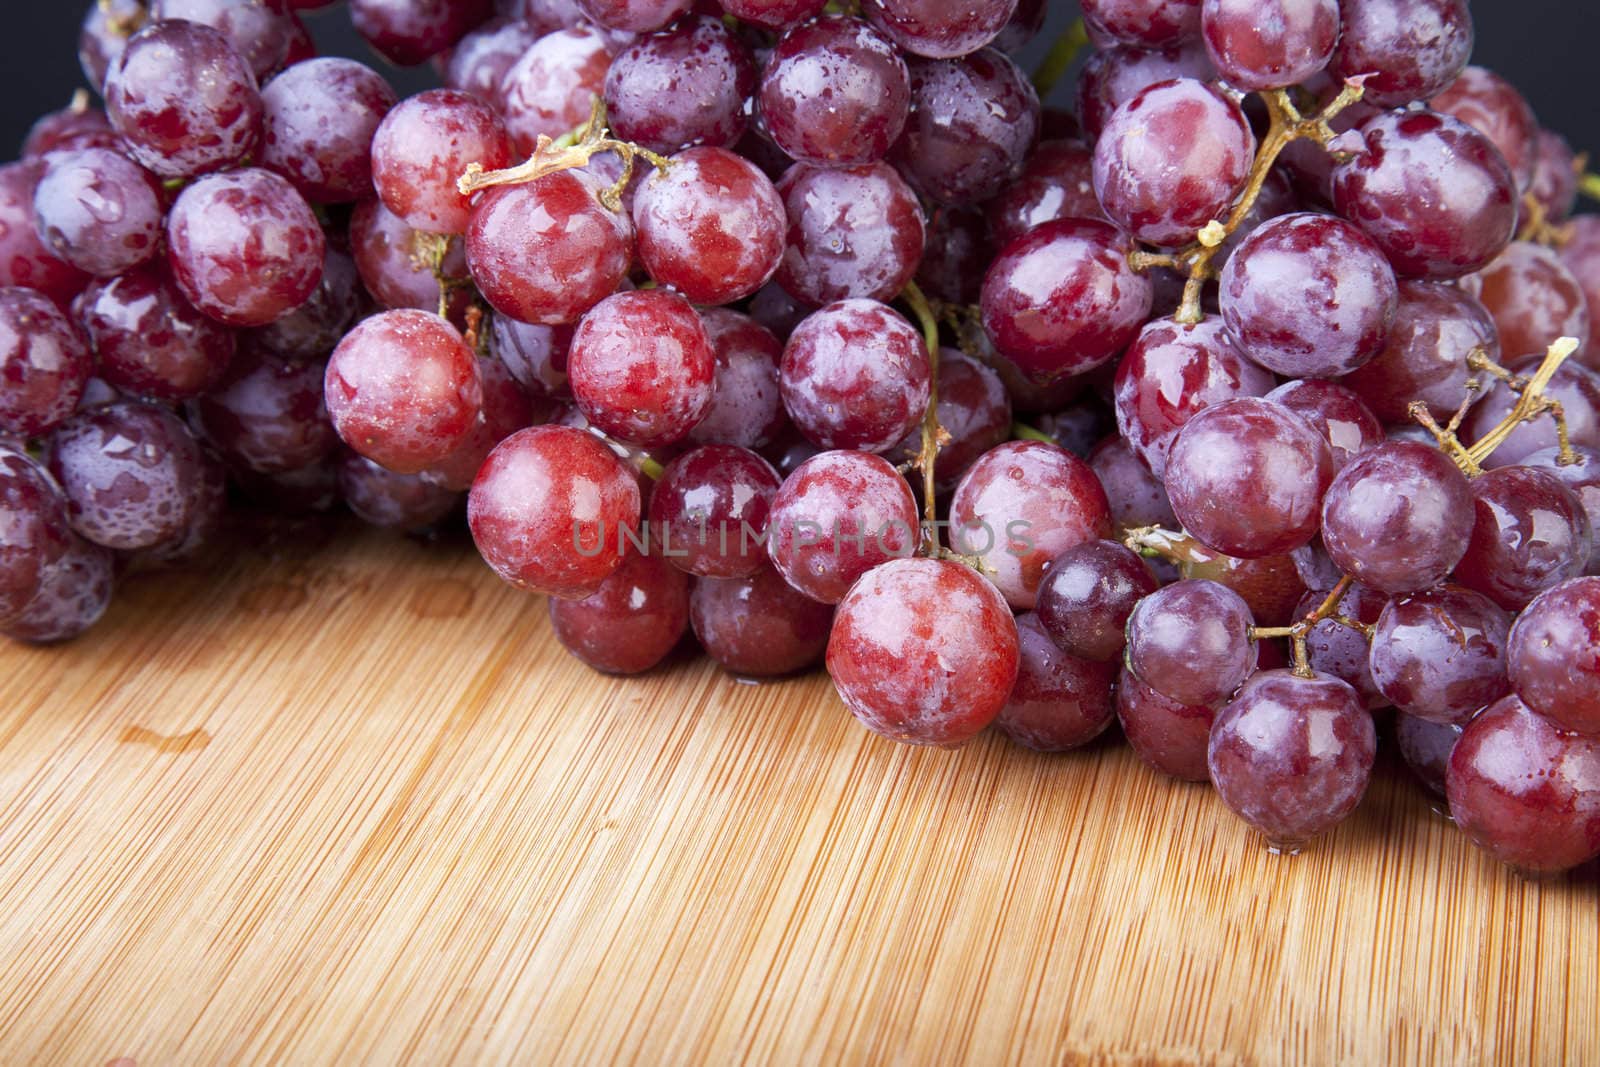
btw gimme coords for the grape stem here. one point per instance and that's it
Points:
(1589, 185)
(123, 25)
(1531, 403)
(934, 436)
(572, 150)
(1287, 126)
(1060, 58)
(1301, 631)
(1537, 226)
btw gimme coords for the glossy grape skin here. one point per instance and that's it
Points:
(536, 356)
(548, 251)
(320, 120)
(1493, 106)
(1335, 412)
(1393, 517)
(390, 257)
(310, 331)
(73, 596)
(1308, 296)
(1441, 655)
(1554, 655)
(641, 367)
(711, 227)
(1411, 49)
(760, 626)
(268, 415)
(1171, 159)
(939, 30)
(1574, 387)
(131, 473)
(708, 511)
(245, 247)
(1056, 183)
(1292, 756)
(1534, 300)
(1170, 373)
(1167, 736)
(852, 232)
(409, 32)
(773, 14)
(1424, 358)
(1062, 299)
(1087, 595)
(380, 497)
(150, 341)
(973, 410)
(423, 147)
(747, 405)
(98, 211)
(35, 531)
(835, 93)
(44, 363)
(1426, 747)
(1059, 701)
(973, 122)
(1136, 496)
(839, 515)
(1269, 45)
(259, 30)
(1190, 641)
(552, 511)
(551, 88)
(688, 85)
(1582, 476)
(1525, 792)
(1434, 194)
(1270, 585)
(1143, 23)
(1531, 532)
(403, 390)
(924, 652)
(479, 63)
(635, 16)
(1335, 649)
(630, 624)
(1246, 477)
(855, 375)
(185, 102)
(1110, 78)
(24, 260)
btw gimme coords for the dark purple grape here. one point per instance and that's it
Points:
(1335, 412)
(1434, 193)
(855, 375)
(1530, 532)
(688, 85)
(1493, 106)
(1056, 183)
(259, 30)
(321, 117)
(310, 331)
(708, 511)
(1292, 756)
(1337, 650)
(1534, 300)
(1079, 426)
(1059, 701)
(1554, 655)
(973, 410)
(1582, 476)
(1426, 748)
(98, 210)
(641, 367)
(1425, 357)
(33, 529)
(956, 238)
(1525, 792)
(1168, 736)
(73, 596)
(390, 501)
(268, 415)
(1190, 641)
(1112, 77)
(747, 406)
(1143, 23)
(44, 363)
(24, 260)
(1136, 496)
(184, 100)
(1272, 44)
(1088, 594)
(1441, 655)
(408, 32)
(1408, 49)
(1393, 518)
(152, 342)
(973, 122)
(760, 626)
(630, 624)
(853, 232)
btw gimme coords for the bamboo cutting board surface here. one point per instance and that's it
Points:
(350, 803)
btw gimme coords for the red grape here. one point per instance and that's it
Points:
(44, 363)
(1110, 78)
(409, 32)
(24, 260)
(1441, 655)
(1534, 300)
(1335, 649)
(1136, 496)
(1144, 23)
(1059, 702)
(480, 62)
(1335, 412)
(536, 356)
(311, 331)
(1554, 655)
(1056, 183)
(641, 367)
(73, 595)
(259, 30)
(1426, 748)
(855, 375)
(1555, 177)
(759, 626)
(835, 93)
(973, 122)
(1575, 387)
(152, 342)
(321, 117)
(268, 415)
(973, 410)
(382, 498)
(773, 14)
(853, 232)
(34, 533)
(423, 147)
(1088, 594)
(1530, 533)
(551, 89)
(1582, 476)
(98, 210)
(747, 405)
(708, 511)
(1190, 641)
(390, 258)
(1492, 106)
(628, 625)
(1270, 45)
(635, 16)
(1409, 49)
(688, 85)
(938, 29)
(1424, 359)
(1168, 736)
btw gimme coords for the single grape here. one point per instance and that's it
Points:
(507, 408)
(310, 332)
(1190, 641)
(184, 100)
(390, 501)
(641, 367)
(394, 260)
(1292, 756)
(1270, 45)
(409, 32)
(553, 511)
(1424, 358)
(1530, 532)
(245, 247)
(630, 624)
(1554, 655)
(44, 363)
(1493, 106)
(1059, 701)
(854, 232)
(711, 227)
(973, 410)
(973, 122)
(1534, 300)
(1171, 159)
(403, 390)
(548, 251)
(1056, 183)
(635, 16)
(1344, 653)
(937, 29)
(839, 515)
(150, 341)
(1434, 193)
(924, 651)
(1062, 299)
(708, 511)
(773, 14)
(1088, 594)
(835, 93)
(747, 404)
(73, 596)
(131, 471)
(1426, 748)
(321, 118)
(34, 531)
(423, 147)
(1110, 78)
(760, 626)
(688, 85)
(855, 375)
(1136, 496)
(259, 30)
(1575, 387)
(1441, 655)
(1582, 476)
(98, 210)
(24, 260)
(1143, 23)
(1408, 49)
(551, 89)
(480, 62)
(1393, 517)
(1525, 792)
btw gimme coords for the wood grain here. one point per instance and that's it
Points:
(352, 804)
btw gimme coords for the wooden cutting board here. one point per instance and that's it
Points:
(348, 802)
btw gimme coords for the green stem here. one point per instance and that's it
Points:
(1021, 431)
(1060, 57)
(1589, 185)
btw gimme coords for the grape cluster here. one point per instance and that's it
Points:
(1252, 398)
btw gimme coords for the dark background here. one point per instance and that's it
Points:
(1545, 46)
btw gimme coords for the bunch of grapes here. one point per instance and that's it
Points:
(1251, 399)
